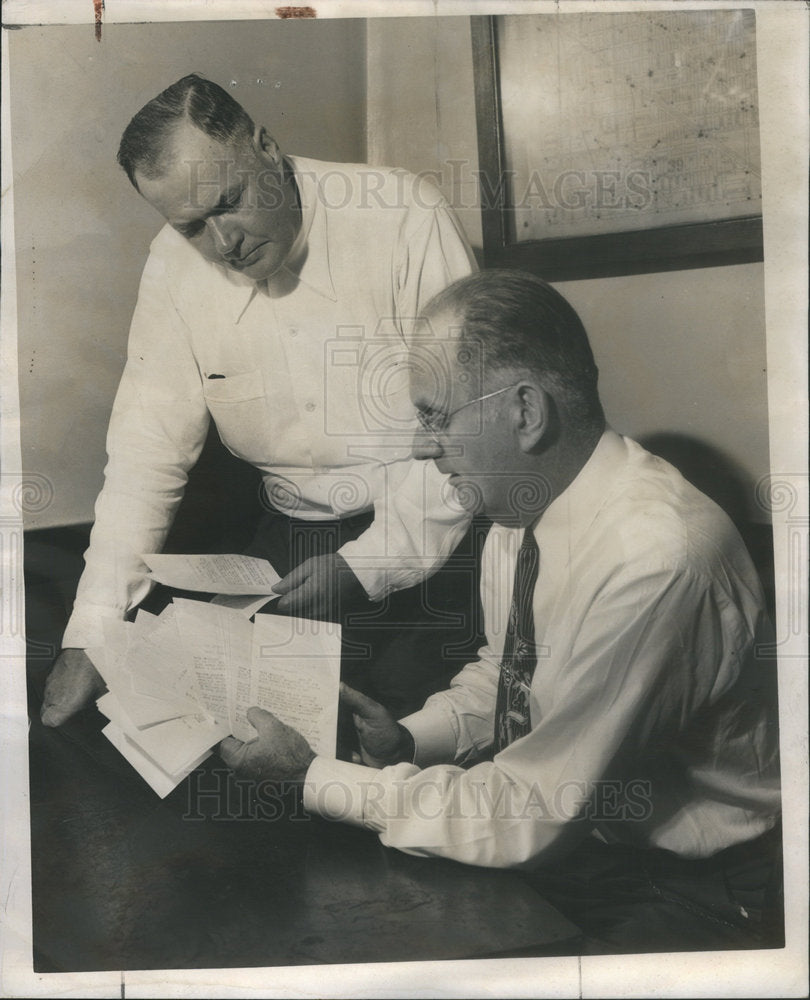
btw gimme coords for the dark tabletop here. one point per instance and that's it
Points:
(224, 873)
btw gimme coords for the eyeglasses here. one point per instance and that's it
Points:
(434, 424)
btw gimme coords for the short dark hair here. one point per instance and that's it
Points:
(520, 321)
(193, 98)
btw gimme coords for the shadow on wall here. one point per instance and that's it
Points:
(726, 482)
(707, 468)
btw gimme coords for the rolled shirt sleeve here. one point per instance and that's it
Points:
(417, 525)
(418, 522)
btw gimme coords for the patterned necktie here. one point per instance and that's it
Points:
(519, 650)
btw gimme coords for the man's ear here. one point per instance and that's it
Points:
(266, 147)
(536, 411)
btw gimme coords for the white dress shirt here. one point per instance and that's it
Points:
(311, 386)
(648, 705)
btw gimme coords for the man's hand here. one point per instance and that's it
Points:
(72, 683)
(382, 739)
(279, 753)
(321, 587)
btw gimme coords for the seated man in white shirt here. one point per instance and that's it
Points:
(617, 736)
(279, 301)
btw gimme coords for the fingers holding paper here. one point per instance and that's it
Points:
(319, 588)
(278, 753)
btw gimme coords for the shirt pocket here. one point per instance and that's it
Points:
(238, 404)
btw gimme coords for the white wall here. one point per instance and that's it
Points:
(82, 232)
(421, 106)
(679, 353)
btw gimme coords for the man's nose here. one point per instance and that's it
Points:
(225, 235)
(425, 446)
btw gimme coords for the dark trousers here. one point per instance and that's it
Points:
(408, 646)
(628, 900)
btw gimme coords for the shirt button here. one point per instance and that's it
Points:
(293, 331)
(309, 407)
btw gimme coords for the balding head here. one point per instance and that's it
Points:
(514, 320)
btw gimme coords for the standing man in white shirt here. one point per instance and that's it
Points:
(280, 301)
(617, 735)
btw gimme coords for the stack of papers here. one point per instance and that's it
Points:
(182, 681)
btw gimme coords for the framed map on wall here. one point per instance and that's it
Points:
(618, 143)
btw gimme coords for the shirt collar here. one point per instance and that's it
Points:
(307, 263)
(574, 510)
